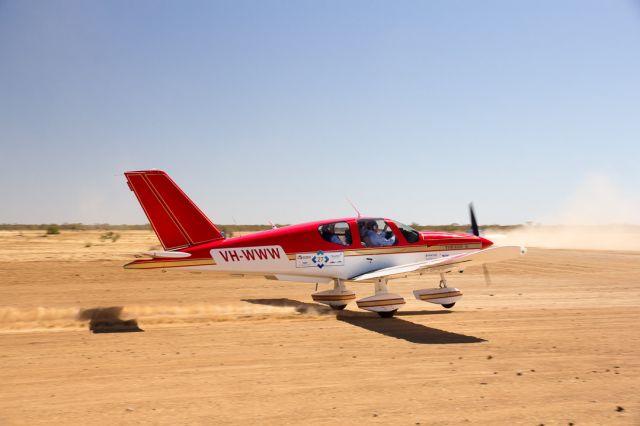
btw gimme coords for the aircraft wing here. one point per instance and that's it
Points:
(445, 264)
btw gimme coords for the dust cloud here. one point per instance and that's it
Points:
(594, 237)
(598, 215)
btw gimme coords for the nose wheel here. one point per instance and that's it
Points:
(443, 295)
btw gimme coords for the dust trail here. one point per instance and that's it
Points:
(207, 312)
(69, 318)
(38, 319)
(11, 315)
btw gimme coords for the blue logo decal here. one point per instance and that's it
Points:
(320, 259)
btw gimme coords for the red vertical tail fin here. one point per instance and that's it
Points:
(176, 220)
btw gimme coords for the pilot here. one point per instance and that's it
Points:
(373, 237)
(329, 234)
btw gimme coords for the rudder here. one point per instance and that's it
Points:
(176, 220)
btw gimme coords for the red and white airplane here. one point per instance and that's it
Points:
(337, 251)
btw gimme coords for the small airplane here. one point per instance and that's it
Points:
(338, 251)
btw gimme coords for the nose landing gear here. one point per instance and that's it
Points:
(445, 296)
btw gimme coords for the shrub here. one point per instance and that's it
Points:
(110, 235)
(53, 229)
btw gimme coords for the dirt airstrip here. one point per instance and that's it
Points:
(555, 339)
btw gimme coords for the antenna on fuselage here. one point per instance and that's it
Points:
(273, 226)
(354, 207)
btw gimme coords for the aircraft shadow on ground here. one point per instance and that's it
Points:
(392, 327)
(107, 320)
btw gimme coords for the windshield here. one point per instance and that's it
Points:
(410, 234)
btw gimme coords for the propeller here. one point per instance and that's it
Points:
(487, 277)
(476, 231)
(474, 222)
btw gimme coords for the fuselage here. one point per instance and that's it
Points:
(303, 252)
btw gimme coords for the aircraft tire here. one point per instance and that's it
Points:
(449, 305)
(338, 308)
(387, 314)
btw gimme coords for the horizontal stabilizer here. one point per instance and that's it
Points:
(167, 254)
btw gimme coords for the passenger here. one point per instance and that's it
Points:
(373, 237)
(329, 234)
(347, 237)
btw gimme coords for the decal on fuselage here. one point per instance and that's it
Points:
(319, 259)
(248, 254)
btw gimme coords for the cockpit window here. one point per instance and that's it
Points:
(376, 233)
(410, 234)
(336, 233)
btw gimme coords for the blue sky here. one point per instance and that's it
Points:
(278, 110)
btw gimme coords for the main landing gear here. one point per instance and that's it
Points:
(337, 298)
(383, 303)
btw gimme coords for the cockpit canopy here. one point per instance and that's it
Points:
(373, 232)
